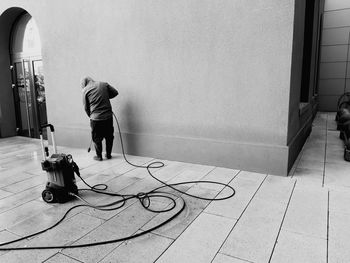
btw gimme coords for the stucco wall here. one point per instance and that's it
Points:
(199, 80)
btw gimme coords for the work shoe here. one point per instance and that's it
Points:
(108, 156)
(98, 158)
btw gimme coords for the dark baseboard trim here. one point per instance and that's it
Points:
(261, 158)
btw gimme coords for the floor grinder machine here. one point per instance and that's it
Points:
(60, 169)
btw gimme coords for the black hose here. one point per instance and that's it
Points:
(144, 199)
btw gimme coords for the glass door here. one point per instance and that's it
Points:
(30, 97)
(25, 120)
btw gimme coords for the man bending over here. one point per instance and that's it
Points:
(96, 96)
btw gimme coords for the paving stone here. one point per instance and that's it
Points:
(118, 183)
(221, 258)
(339, 202)
(307, 212)
(141, 185)
(333, 138)
(92, 180)
(139, 173)
(206, 191)
(221, 175)
(6, 236)
(306, 176)
(275, 188)
(331, 125)
(98, 167)
(171, 170)
(12, 176)
(262, 218)
(251, 176)
(68, 231)
(20, 198)
(26, 184)
(193, 208)
(44, 218)
(138, 160)
(294, 247)
(126, 223)
(335, 154)
(234, 207)
(65, 233)
(144, 249)
(253, 240)
(189, 175)
(4, 194)
(20, 213)
(316, 140)
(123, 185)
(17, 164)
(339, 237)
(106, 215)
(60, 258)
(337, 175)
(199, 245)
(313, 154)
(112, 168)
(119, 169)
(311, 164)
(320, 120)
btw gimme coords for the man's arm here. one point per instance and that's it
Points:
(86, 105)
(112, 92)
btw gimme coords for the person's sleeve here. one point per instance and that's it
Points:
(112, 92)
(86, 105)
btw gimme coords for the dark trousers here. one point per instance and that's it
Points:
(102, 130)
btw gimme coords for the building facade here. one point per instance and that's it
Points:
(224, 83)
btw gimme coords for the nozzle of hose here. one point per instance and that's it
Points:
(89, 149)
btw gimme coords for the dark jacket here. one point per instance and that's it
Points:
(96, 96)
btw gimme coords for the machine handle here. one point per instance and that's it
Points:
(52, 129)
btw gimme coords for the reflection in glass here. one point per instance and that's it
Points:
(40, 91)
(25, 97)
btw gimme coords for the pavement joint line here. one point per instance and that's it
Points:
(284, 216)
(327, 255)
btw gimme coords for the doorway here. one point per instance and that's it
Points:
(27, 77)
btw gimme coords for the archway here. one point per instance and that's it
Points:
(22, 100)
(27, 76)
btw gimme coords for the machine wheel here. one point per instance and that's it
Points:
(48, 196)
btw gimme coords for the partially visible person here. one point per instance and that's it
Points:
(97, 105)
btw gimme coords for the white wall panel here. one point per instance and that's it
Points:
(336, 4)
(334, 48)
(332, 70)
(338, 18)
(335, 36)
(336, 53)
